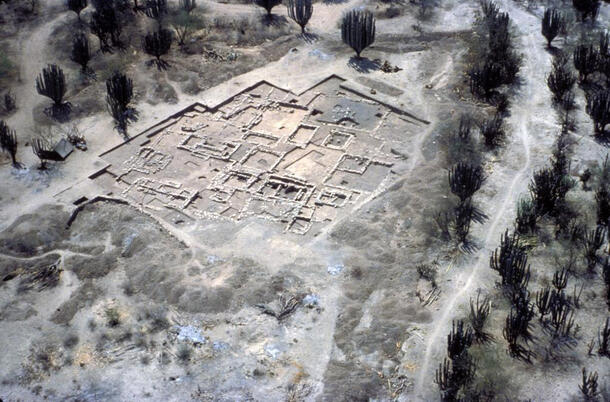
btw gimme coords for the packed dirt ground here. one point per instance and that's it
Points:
(109, 300)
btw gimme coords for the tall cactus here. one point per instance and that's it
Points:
(552, 24)
(300, 11)
(586, 59)
(119, 93)
(157, 44)
(358, 30)
(598, 107)
(81, 53)
(8, 142)
(52, 84)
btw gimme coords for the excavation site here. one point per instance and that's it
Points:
(304, 200)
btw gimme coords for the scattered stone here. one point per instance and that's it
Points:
(311, 301)
(190, 334)
(335, 269)
(273, 350)
(220, 346)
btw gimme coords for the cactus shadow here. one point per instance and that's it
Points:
(273, 20)
(363, 65)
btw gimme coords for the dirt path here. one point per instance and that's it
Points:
(528, 106)
(33, 59)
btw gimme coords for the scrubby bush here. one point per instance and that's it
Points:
(598, 107)
(184, 353)
(458, 369)
(500, 64)
(492, 131)
(158, 44)
(8, 142)
(113, 317)
(588, 387)
(526, 216)
(463, 216)
(606, 277)
(603, 340)
(42, 150)
(510, 261)
(485, 78)
(591, 243)
(465, 180)
(561, 80)
(185, 24)
(518, 327)
(81, 54)
(106, 26)
(10, 103)
(479, 312)
(586, 59)
(548, 189)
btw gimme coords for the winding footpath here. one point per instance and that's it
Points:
(529, 105)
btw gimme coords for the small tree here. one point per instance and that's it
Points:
(465, 128)
(526, 216)
(106, 26)
(137, 7)
(52, 84)
(156, 9)
(588, 387)
(591, 243)
(463, 215)
(606, 276)
(42, 151)
(8, 142)
(561, 80)
(81, 53)
(157, 44)
(77, 6)
(479, 312)
(184, 24)
(510, 261)
(604, 68)
(485, 78)
(603, 340)
(10, 103)
(552, 24)
(492, 131)
(188, 5)
(587, 8)
(586, 59)
(358, 30)
(267, 5)
(300, 11)
(598, 107)
(465, 180)
(517, 326)
(604, 44)
(548, 189)
(119, 91)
